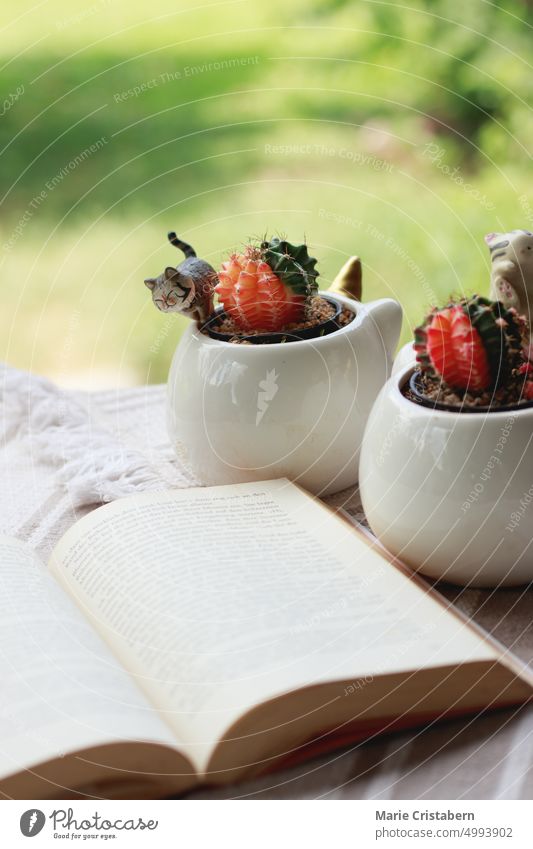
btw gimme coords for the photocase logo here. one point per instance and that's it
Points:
(267, 390)
(32, 822)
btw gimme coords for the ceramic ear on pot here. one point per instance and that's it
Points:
(285, 387)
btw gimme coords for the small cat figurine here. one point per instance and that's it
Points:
(187, 289)
(511, 279)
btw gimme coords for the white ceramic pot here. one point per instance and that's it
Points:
(296, 410)
(450, 494)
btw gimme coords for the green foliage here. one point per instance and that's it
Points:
(399, 133)
(464, 66)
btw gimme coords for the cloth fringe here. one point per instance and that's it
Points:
(91, 463)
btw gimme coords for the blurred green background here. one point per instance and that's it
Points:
(398, 132)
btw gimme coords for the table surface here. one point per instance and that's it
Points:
(489, 756)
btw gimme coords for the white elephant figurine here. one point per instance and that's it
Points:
(511, 279)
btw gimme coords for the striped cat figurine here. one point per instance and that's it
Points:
(188, 288)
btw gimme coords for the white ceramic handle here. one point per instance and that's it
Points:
(387, 317)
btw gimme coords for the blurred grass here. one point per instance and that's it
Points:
(309, 120)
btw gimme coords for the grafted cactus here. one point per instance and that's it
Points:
(472, 344)
(269, 286)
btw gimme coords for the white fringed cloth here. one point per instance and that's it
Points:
(64, 453)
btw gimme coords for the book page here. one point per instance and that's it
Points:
(218, 598)
(61, 687)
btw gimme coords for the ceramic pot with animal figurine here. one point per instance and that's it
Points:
(280, 379)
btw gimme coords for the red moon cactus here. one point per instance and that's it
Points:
(267, 287)
(472, 345)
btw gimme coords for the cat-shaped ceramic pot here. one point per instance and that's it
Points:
(450, 493)
(298, 410)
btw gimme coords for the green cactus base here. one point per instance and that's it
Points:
(293, 265)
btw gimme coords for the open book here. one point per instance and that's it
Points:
(207, 635)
